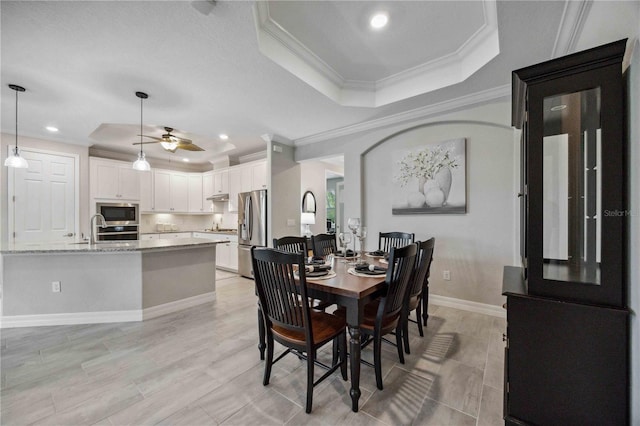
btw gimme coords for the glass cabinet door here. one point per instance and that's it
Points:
(571, 187)
(576, 194)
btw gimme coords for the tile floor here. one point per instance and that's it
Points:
(201, 367)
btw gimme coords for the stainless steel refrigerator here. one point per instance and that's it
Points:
(252, 227)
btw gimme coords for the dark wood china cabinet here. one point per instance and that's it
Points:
(567, 341)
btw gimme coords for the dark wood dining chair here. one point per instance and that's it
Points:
(418, 284)
(323, 244)
(383, 315)
(292, 244)
(288, 318)
(387, 240)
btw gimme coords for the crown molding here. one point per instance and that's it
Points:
(282, 47)
(474, 99)
(574, 15)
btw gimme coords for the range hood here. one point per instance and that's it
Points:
(219, 197)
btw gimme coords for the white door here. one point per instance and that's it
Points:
(43, 200)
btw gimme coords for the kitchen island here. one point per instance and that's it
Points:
(80, 283)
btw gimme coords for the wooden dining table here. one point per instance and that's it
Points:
(353, 292)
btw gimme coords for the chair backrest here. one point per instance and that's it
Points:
(282, 294)
(422, 267)
(323, 244)
(291, 244)
(387, 240)
(401, 261)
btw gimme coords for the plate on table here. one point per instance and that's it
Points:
(377, 272)
(378, 254)
(350, 254)
(315, 274)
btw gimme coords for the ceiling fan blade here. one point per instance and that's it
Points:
(190, 147)
(183, 140)
(151, 137)
(145, 143)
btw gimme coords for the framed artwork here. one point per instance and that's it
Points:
(430, 179)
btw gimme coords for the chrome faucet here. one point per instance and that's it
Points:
(92, 233)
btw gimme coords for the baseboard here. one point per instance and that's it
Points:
(467, 305)
(178, 305)
(13, 321)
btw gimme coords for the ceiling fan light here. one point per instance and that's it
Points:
(141, 164)
(170, 146)
(15, 160)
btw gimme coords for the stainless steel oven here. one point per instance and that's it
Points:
(122, 221)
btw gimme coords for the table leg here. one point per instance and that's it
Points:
(261, 334)
(354, 351)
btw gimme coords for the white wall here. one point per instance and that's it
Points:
(473, 246)
(284, 187)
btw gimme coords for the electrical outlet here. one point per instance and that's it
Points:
(446, 275)
(55, 286)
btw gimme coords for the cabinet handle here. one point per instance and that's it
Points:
(520, 194)
(504, 337)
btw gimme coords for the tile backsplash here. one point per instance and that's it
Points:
(186, 222)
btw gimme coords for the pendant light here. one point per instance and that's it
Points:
(14, 159)
(141, 163)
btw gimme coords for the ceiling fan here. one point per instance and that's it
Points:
(171, 142)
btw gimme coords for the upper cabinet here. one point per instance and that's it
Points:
(196, 202)
(170, 191)
(220, 182)
(235, 187)
(573, 195)
(113, 180)
(259, 175)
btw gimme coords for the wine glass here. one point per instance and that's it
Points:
(354, 224)
(362, 234)
(344, 238)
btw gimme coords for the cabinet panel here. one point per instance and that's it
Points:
(233, 256)
(161, 190)
(196, 202)
(113, 180)
(235, 187)
(207, 191)
(221, 182)
(146, 191)
(246, 178)
(129, 182)
(170, 191)
(259, 175)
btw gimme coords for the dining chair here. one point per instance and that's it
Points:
(292, 244)
(418, 284)
(323, 244)
(387, 240)
(383, 315)
(282, 290)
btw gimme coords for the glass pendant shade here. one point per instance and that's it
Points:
(15, 160)
(141, 163)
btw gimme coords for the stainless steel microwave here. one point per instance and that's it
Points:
(119, 213)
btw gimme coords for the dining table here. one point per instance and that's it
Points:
(352, 292)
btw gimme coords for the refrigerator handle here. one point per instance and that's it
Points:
(249, 215)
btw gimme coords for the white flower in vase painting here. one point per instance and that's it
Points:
(430, 179)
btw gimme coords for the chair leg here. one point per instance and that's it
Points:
(405, 334)
(377, 359)
(310, 365)
(336, 350)
(269, 361)
(261, 332)
(425, 304)
(343, 355)
(418, 315)
(399, 341)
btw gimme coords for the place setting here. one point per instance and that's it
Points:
(367, 270)
(317, 267)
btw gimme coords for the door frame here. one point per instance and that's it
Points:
(11, 189)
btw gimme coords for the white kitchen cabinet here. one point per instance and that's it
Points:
(226, 253)
(195, 184)
(170, 191)
(113, 180)
(146, 192)
(233, 256)
(259, 175)
(235, 187)
(246, 178)
(207, 191)
(144, 237)
(220, 182)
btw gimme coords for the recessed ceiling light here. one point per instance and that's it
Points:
(186, 160)
(223, 136)
(51, 129)
(379, 20)
(558, 107)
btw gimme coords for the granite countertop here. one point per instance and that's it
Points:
(108, 247)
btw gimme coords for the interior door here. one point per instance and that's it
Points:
(44, 205)
(339, 207)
